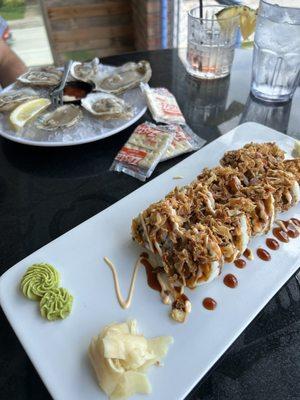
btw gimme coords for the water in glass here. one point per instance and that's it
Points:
(276, 60)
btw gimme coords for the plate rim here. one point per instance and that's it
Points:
(79, 142)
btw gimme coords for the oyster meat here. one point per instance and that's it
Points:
(11, 99)
(85, 71)
(63, 117)
(107, 106)
(42, 76)
(126, 77)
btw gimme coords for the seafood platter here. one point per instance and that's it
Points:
(98, 101)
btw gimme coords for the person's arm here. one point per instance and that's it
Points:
(11, 66)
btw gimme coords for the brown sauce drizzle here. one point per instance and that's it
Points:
(263, 254)
(180, 302)
(240, 263)
(209, 303)
(183, 297)
(230, 281)
(272, 244)
(151, 275)
(281, 235)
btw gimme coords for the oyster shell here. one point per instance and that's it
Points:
(42, 76)
(11, 99)
(107, 106)
(63, 117)
(128, 76)
(85, 71)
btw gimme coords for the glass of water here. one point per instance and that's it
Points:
(276, 59)
(211, 43)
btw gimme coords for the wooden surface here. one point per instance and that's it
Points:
(89, 10)
(81, 29)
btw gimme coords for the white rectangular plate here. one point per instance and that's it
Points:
(58, 350)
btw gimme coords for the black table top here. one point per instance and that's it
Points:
(46, 192)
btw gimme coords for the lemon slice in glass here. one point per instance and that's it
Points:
(229, 12)
(27, 111)
(225, 15)
(247, 19)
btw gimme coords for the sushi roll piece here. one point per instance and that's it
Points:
(222, 182)
(161, 222)
(195, 257)
(293, 167)
(287, 191)
(228, 186)
(232, 231)
(254, 158)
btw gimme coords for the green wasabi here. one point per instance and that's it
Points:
(56, 304)
(39, 279)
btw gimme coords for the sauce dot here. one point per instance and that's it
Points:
(209, 303)
(281, 235)
(272, 244)
(248, 254)
(230, 281)
(295, 221)
(292, 230)
(240, 263)
(263, 254)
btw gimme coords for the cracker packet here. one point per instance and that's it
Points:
(162, 105)
(184, 141)
(143, 150)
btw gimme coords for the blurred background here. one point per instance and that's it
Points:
(51, 31)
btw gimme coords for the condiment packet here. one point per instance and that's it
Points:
(184, 141)
(163, 105)
(143, 150)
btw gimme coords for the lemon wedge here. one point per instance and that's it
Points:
(225, 16)
(228, 12)
(247, 19)
(27, 111)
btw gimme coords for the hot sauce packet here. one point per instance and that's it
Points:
(143, 150)
(184, 141)
(163, 105)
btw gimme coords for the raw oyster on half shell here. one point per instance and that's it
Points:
(12, 98)
(42, 76)
(107, 106)
(126, 77)
(63, 117)
(85, 71)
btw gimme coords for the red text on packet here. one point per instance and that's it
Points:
(131, 156)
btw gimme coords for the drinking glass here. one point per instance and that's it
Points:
(276, 59)
(211, 43)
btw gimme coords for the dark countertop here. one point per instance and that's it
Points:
(45, 192)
